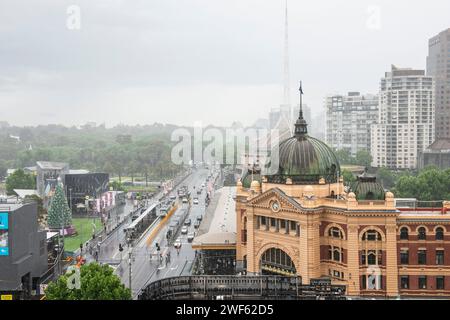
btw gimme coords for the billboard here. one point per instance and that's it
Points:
(4, 246)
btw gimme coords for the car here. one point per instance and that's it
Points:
(203, 185)
(195, 201)
(173, 197)
(199, 191)
(185, 200)
(187, 222)
(190, 236)
(177, 244)
(184, 230)
(197, 224)
(199, 218)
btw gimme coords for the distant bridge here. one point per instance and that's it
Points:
(241, 287)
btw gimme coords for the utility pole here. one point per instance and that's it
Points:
(129, 266)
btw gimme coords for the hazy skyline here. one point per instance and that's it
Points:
(140, 62)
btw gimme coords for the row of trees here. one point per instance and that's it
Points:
(120, 151)
(429, 184)
(362, 158)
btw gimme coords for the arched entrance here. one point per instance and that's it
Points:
(275, 261)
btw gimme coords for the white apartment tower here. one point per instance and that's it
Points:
(405, 119)
(348, 121)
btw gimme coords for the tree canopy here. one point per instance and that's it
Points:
(98, 282)
(362, 157)
(20, 180)
(119, 151)
(429, 185)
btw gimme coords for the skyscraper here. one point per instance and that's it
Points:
(438, 66)
(405, 124)
(348, 121)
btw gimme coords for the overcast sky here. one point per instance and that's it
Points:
(214, 61)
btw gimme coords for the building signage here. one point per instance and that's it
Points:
(4, 246)
(6, 297)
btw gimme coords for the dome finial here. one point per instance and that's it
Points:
(301, 125)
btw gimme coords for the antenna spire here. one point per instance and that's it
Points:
(286, 59)
(301, 129)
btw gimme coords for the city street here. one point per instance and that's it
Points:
(146, 265)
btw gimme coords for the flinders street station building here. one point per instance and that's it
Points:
(303, 221)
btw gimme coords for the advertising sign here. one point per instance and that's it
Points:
(4, 246)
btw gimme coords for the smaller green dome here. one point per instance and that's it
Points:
(250, 175)
(367, 188)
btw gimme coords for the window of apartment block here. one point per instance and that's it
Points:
(263, 221)
(440, 257)
(440, 284)
(439, 233)
(422, 234)
(273, 222)
(404, 233)
(422, 282)
(404, 282)
(422, 257)
(293, 225)
(404, 257)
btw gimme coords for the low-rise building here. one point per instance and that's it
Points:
(437, 154)
(23, 249)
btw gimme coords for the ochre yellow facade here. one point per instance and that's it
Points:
(320, 230)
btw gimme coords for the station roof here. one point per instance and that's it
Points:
(218, 227)
(22, 193)
(50, 165)
(142, 216)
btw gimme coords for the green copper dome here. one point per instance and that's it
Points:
(305, 159)
(367, 188)
(307, 156)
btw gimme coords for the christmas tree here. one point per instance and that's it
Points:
(59, 213)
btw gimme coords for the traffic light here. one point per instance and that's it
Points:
(157, 247)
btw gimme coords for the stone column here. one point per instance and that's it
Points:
(353, 260)
(252, 264)
(391, 261)
(309, 253)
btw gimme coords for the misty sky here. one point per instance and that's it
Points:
(214, 61)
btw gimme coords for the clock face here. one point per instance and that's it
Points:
(276, 206)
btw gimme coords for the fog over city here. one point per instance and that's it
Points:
(146, 61)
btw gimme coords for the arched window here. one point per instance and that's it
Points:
(335, 232)
(404, 233)
(278, 259)
(371, 235)
(439, 233)
(422, 233)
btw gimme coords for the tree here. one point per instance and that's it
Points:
(98, 282)
(59, 213)
(20, 180)
(431, 184)
(363, 158)
(116, 186)
(348, 177)
(344, 156)
(386, 177)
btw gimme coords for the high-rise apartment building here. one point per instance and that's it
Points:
(406, 118)
(438, 67)
(348, 121)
